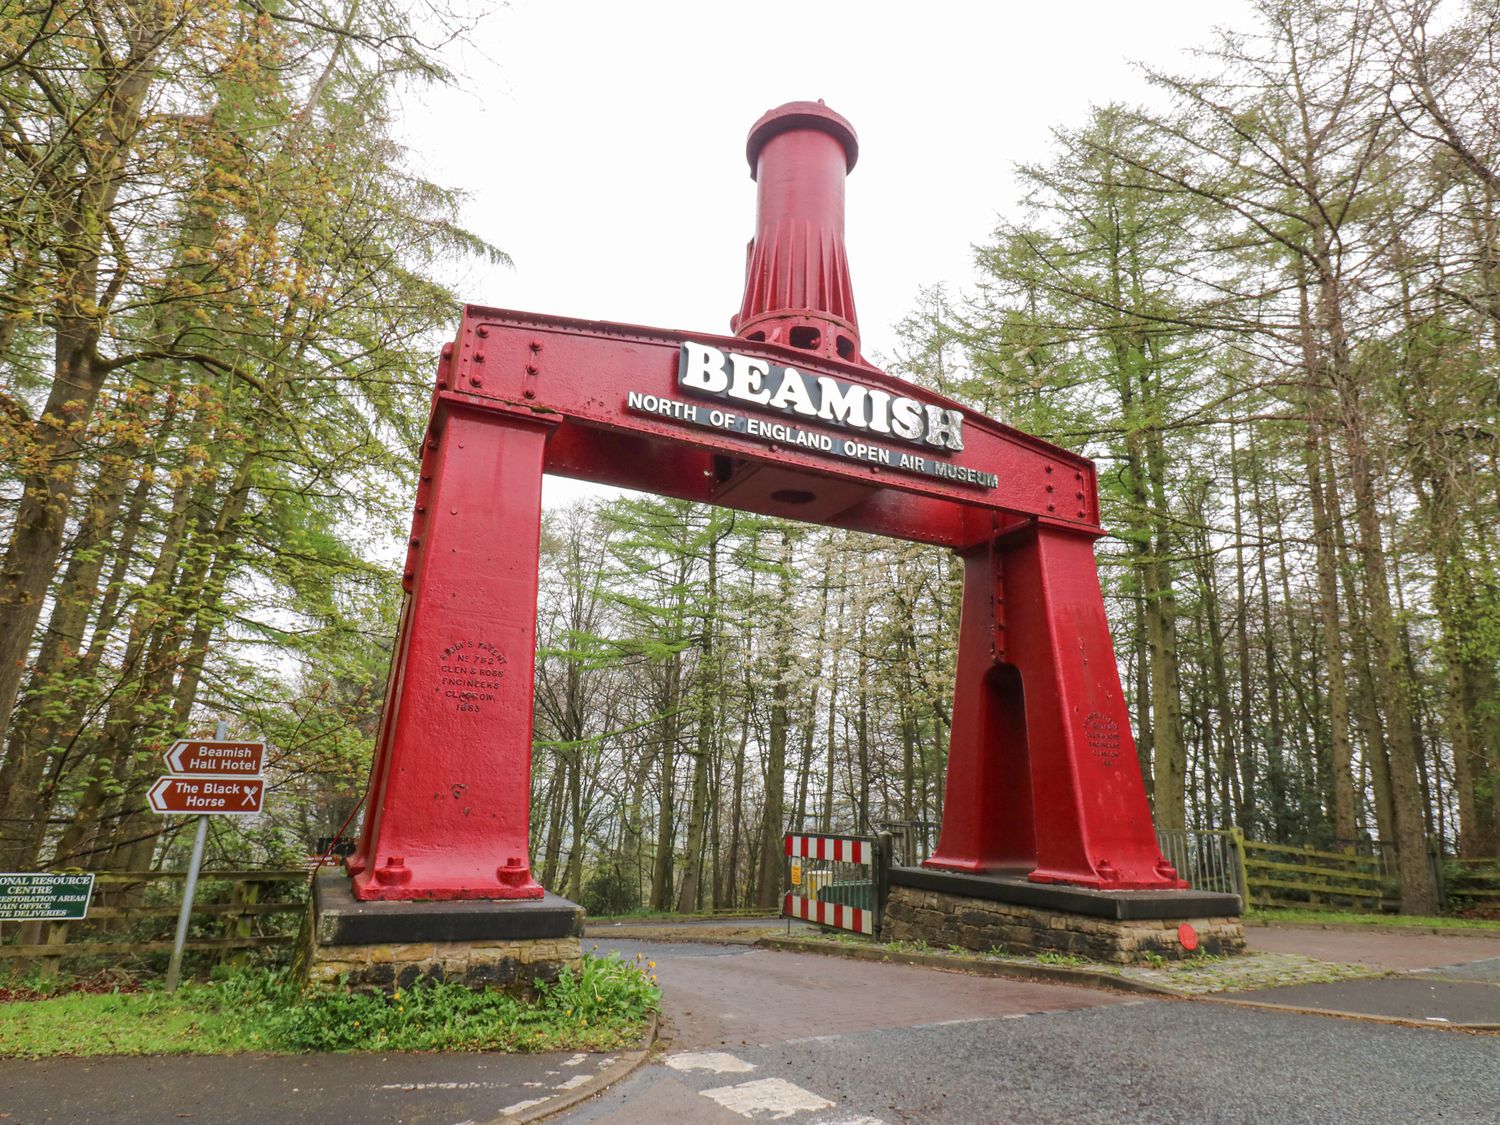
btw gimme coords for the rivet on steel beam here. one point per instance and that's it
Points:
(478, 357)
(1078, 496)
(475, 380)
(529, 392)
(1048, 468)
(1080, 514)
(421, 508)
(482, 332)
(416, 541)
(1051, 507)
(531, 369)
(1049, 488)
(536, 345)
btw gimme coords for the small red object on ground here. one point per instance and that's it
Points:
(1188, 936)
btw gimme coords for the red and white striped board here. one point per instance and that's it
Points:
(837, 848)
(833, 914)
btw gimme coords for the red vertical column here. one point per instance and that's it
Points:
(1093, 822)
(987, 825)
(449, 806)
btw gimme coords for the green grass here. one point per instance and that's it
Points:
(1353, 918)
(604, 1007)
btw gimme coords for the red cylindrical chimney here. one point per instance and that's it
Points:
(797, 287)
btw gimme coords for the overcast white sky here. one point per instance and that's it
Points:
(602, 144)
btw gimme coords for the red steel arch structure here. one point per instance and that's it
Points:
(1043, 779)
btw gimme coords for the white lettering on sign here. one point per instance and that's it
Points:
(798, 438)
(705, 370)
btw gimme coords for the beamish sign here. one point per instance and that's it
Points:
(708, 371)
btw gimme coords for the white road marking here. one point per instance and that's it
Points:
(512, 1110)
(857, 1121)
(716, 1062)
(576, 1060)
(576, 1081)
(771, 1098)
(440, 1085)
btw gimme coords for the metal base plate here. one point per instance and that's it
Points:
(341, 919)
(1118, 905)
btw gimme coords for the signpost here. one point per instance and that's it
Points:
(210, 796)
(45, 896)
(222, 779)
(201, 757)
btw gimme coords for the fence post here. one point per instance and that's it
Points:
(57, 934)
(1435, 858)
(882, 875)
(238, 925)
(1241, 869)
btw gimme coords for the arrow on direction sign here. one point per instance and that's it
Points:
(212, 796)
(201, 756)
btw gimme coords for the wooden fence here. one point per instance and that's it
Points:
(1474, 882)
(1279, 875)
(241, 901)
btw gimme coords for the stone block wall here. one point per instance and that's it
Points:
(505, 964)
(941, 919)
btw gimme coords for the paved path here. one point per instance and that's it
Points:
(716, 996)
(308, 1090)
(1445, 978)
(1387, 949)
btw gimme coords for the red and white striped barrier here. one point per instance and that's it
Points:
(836, 848)
(829, 914)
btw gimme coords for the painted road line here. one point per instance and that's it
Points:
(522, 1107)
(775, 1098)
(715, 1062)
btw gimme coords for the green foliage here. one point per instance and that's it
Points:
(600, 1008)
(610, 891)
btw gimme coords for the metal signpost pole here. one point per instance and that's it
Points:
(174, 970)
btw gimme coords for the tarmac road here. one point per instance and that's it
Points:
(760, 1035)
(1142, 1061)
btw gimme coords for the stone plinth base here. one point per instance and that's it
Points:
(1008, 913)
(387, 945)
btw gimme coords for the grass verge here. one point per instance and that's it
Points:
(1352, 918)
(604, 1007)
